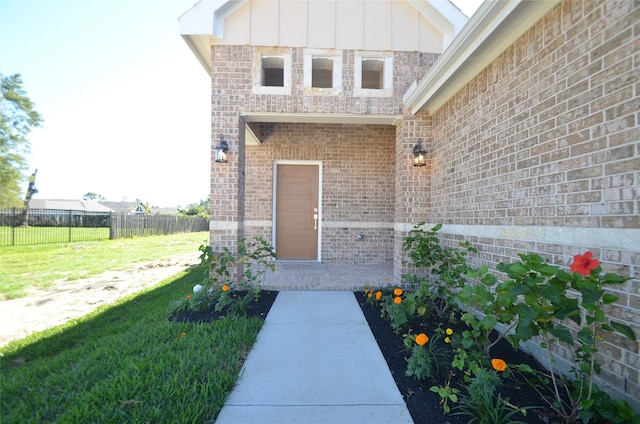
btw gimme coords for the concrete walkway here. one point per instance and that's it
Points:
(315, 361)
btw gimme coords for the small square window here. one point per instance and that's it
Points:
(373, 73)
(322, 72)
(272, 71)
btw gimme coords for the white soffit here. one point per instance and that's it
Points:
(312, 118)
(494, 27)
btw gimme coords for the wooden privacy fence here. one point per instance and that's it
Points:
(138, 225)
(42, 226)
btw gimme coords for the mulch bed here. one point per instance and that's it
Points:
(424, 405)
(258, 309)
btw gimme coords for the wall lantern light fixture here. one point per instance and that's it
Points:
(221, 150)
(419, 154)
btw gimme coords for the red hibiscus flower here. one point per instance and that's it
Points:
(583, 264)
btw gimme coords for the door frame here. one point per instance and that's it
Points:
(275, 185)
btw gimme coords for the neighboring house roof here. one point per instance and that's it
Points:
(494, 27)
(121, 207)
(165, 211)
(407, 25)
(76, 205)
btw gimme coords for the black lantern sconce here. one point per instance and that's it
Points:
(419, 154)
(221, 150)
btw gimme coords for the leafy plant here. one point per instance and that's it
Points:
(482, 406)
(446, 266)
(543, 310)
(398, 308)
(429, 358)
(217, 292)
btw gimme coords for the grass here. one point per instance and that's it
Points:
(38, 266)
(18, 236)
(126, 363)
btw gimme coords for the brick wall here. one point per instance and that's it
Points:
(357, 185)
(358, 162)
(541, 153)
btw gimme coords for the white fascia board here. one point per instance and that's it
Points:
(494, 27)
(199, 45)
(447, 18)
(201, 23)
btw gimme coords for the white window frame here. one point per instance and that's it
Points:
(336, 88)
(257, 87)
(387, 88)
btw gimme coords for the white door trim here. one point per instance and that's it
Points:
(273, 213)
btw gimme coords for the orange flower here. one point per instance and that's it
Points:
(225, 288)
(498, 364)
(422, 339)
(378, 295)
(189, 296)
(398, 292)
(397, 300)
(387, 278)
(583, 264)
(369, 294)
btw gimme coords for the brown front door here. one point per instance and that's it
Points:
(297, 212)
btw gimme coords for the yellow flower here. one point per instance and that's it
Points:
(182, 334)
(397, 300)
(448, 331)
(447, 340)
(225, 288)
(398, 292)
(378, 295)
(421, 339)
(498, 364)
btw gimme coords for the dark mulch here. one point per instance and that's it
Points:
(424, 405)
(258, 309)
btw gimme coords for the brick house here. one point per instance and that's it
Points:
(528, 114)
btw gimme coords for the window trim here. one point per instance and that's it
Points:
(387, 77)
(257, 87)
(309, 55)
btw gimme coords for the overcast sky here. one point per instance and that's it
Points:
(126, 105)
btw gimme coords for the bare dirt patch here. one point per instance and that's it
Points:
(66, 300)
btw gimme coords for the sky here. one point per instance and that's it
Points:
(126, 105)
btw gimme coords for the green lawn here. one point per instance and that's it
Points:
(126, 363)
(38, 266)
(20, 236)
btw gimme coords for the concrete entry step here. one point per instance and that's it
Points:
(302, 265)
(289, 275)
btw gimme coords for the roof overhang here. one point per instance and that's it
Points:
(251, 119)
(203, 24)
(494, 27)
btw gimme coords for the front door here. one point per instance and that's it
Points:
(297, 211)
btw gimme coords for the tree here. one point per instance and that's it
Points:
(94, 196)
(199, 209)
(17, 118)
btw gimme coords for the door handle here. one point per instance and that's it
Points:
(315, 219)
